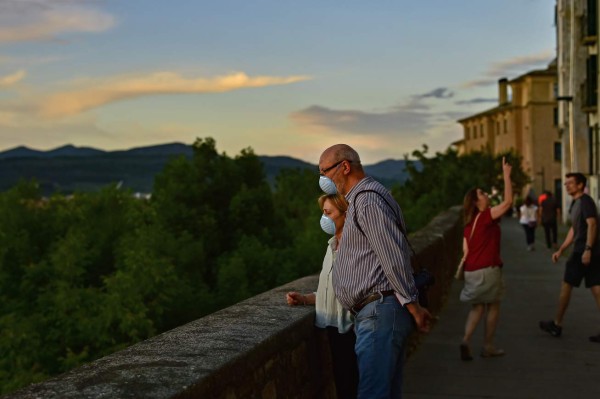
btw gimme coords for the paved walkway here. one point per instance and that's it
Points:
(536, 365)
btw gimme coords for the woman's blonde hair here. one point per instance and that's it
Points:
(339, 201)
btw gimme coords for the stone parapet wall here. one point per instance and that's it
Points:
(258, 348)
(439, 249)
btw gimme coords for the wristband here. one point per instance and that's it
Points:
(587, 248)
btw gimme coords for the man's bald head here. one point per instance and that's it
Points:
(341, 164)
(339, 152)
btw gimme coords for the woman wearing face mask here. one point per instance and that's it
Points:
(330, 314)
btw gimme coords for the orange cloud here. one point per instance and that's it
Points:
(48, 24)
(12, 79)
(94, 93)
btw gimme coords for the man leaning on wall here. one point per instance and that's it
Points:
(372, 275)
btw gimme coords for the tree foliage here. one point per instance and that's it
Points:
(442, 181)
(86, 275)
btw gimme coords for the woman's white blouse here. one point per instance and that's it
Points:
(329, 311)
(528, 214)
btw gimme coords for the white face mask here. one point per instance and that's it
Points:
(328, 225)
(327, 185)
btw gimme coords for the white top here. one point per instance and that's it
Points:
(329, 311)
(528, 214)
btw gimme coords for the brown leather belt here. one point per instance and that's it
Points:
(370, 298)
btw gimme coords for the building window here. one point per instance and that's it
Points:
(557, 151)
(558, 190)
(505, 126)
(466, 132)
(595, 150)
(595, 153)
(475, 131)
(592, 24)
(555, 116)
(591, 131)
(497, 128)
(482, 131)
(591, 84)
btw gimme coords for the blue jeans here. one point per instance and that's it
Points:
(382, 329)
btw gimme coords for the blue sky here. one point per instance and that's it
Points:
(283, 77)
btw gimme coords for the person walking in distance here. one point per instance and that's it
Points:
(372, 275)
(549, 215)
(528, 219)
(584, 261)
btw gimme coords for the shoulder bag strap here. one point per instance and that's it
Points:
(472, 231)
(393, 211)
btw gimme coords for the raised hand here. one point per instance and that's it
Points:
(506, 168)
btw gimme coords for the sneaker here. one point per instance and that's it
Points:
(595, 338)
(551, 328)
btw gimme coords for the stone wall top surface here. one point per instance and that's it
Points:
(168, 364)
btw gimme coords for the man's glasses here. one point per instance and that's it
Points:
(323, 171)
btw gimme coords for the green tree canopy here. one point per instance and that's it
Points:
(442, 181)
(85, 275)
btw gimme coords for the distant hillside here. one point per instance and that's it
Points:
(390, 171)
(72, 151)
(69, 168)
(64, 151)
(20, 152)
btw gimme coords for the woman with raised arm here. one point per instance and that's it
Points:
(484, 284)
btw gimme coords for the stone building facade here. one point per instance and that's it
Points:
(578, 71)
(526, 122)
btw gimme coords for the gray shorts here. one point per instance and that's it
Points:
(483, 286)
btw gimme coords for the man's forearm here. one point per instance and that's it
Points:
(568, 240)
(592, 230)
(402, 281)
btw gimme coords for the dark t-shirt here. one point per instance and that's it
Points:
(549, 207)
(581, 209)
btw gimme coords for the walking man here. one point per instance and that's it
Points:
(549, 214)
(584, 261)
(372, 274)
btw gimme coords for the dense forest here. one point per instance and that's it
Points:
(85, 275)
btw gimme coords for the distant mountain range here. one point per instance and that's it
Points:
(69, 168)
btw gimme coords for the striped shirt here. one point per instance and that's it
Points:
(379, 259)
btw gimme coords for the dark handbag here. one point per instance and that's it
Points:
(423, 280)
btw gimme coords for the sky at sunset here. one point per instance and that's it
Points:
(283, 77)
